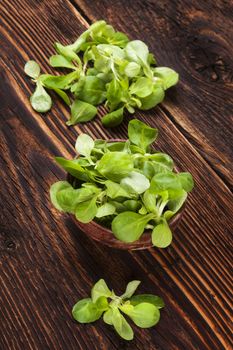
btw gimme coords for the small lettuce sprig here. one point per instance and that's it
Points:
(123, 185)
(142, 309)
(105, 67)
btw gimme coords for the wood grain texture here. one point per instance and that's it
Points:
(47, 264)
(193, 37)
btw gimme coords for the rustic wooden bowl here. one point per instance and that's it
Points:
(105, 236)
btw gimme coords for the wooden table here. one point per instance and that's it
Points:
(47, 264)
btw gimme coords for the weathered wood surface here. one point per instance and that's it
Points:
(195, 38)
(46, 263)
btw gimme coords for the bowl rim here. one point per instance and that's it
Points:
(172, 221)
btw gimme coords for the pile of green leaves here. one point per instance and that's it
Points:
(105, 67)
(142, 309)
(123, 185)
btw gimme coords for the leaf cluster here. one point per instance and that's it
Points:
(142, 309)
(123, 185)
(102, 66)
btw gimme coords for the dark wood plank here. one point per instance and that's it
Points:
(47, 264)
(195, 39)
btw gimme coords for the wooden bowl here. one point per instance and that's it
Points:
(105, 236)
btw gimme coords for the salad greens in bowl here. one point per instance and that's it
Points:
(123, 193)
